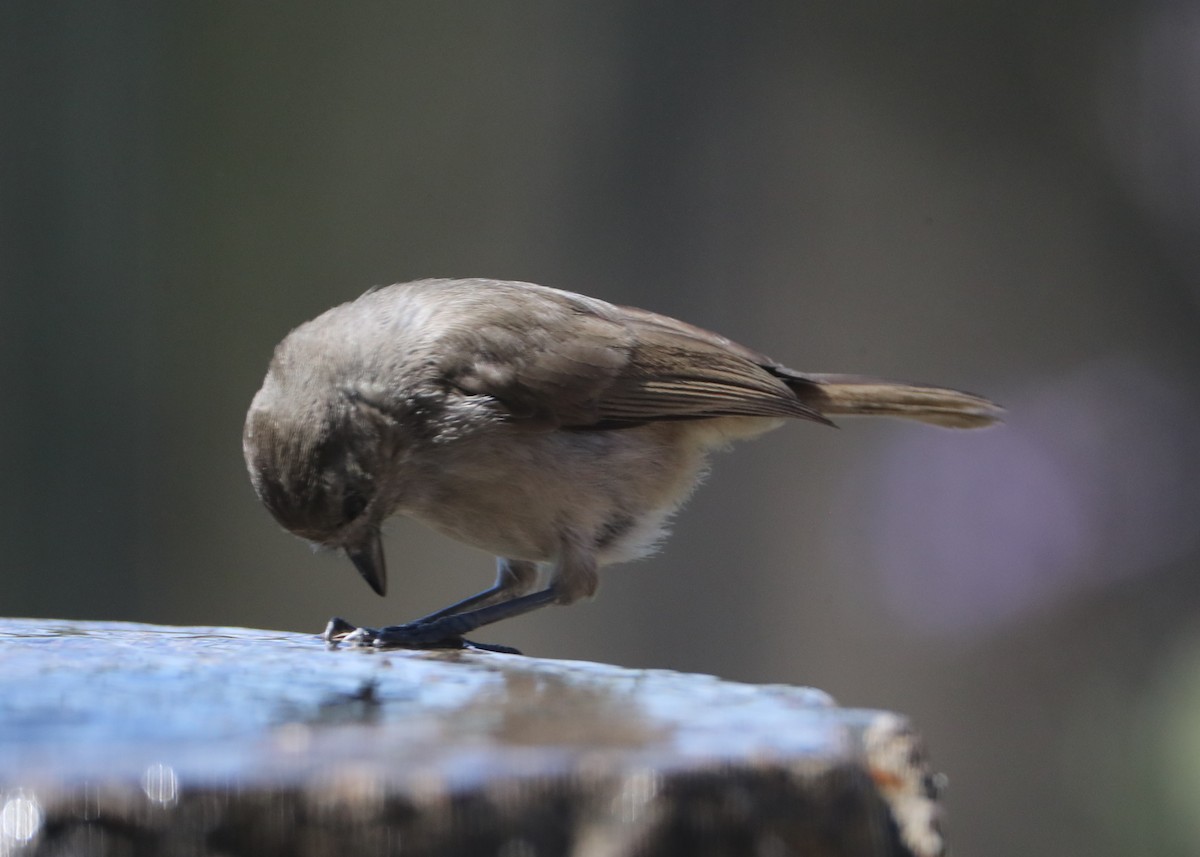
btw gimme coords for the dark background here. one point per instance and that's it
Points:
(1002, 196)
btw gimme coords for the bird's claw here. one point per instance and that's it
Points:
(415, 635)
(411, 636)
(339, 630)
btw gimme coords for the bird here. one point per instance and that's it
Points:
(557, 431)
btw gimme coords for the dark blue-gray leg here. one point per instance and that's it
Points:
(573, 577)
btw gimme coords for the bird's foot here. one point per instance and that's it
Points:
(414, 635)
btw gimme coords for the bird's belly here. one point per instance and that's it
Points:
(524, 496)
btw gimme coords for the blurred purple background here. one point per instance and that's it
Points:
(1002, 197)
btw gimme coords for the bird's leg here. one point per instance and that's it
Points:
(573, 577)
(514, 577)
(445, 632)
(419, 634)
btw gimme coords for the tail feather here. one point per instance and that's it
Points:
(832, 395)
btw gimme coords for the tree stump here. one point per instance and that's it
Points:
(123, 739)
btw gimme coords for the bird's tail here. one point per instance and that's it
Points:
(832, 395)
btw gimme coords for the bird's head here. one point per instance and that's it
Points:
(319, 466)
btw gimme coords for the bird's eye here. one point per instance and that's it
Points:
(353, 504)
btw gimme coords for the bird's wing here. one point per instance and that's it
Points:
(679, 371)
(561, 360)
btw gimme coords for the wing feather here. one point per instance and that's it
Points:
(554, 359)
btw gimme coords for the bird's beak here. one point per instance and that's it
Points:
(367, 557)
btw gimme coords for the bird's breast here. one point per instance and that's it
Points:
(522, 494)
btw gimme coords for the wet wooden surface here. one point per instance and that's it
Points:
(129, 739)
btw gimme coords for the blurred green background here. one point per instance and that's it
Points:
(999, 196)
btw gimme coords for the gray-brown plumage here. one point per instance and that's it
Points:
(549, 428)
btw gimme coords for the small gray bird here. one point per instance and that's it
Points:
(554, 430)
